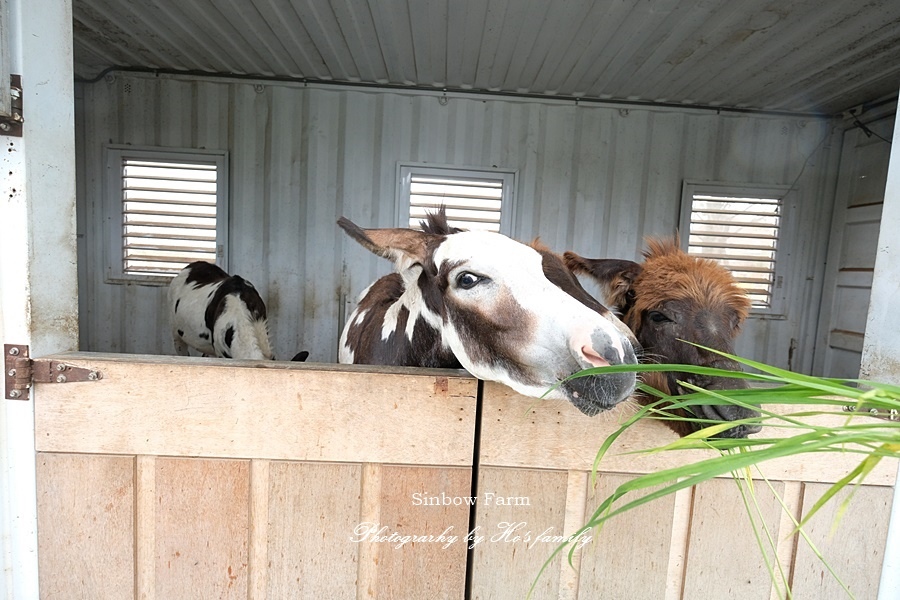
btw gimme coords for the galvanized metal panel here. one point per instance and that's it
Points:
(589, 178)
(807, 56)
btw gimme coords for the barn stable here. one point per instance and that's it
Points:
(140, 137)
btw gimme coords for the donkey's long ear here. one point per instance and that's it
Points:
(615, 276)
(402, 246)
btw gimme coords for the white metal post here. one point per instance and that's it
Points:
(38, 257)
(881, 347)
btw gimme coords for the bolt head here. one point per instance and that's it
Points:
(15, 394)
(14, 351)
(11, 373)
(60, 379)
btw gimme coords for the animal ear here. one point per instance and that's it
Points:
(615, 276)
(402, 246)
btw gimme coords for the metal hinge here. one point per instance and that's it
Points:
(20, 371)
(11, 124)
(879, 413)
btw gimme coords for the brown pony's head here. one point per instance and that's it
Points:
(670, 298)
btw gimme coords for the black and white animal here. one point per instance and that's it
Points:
(674, 297)
(218, 314)
(491, 305)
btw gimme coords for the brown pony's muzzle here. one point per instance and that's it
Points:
(722, 412)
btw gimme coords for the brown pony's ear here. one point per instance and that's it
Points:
(615, 277)
(402, 246)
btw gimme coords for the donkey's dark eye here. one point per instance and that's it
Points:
(467, 281)
(657, 317)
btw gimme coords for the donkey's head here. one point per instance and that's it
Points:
(483, 299)
(672, 297)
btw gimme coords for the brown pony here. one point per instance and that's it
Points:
(670, 297)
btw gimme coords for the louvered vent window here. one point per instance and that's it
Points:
(740, 231)
(472, 199)
(171, 212)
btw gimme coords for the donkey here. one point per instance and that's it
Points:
(670, 297)
(483, 302)
(219, 315)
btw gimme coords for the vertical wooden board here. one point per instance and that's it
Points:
(853, 546)
(202, 523)
(628, 556)
(85, 526)
(723, 559)
(517, 513)
(434, 568)
(313, 509)
(871, 163)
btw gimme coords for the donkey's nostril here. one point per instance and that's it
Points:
(592, 357)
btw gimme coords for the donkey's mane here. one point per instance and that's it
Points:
(436, 223)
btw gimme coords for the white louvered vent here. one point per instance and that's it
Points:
(168, 215)
(470, 203)
(741, 233)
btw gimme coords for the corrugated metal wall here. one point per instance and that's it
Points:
(591, 178)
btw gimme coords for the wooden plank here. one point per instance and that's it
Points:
(145, 527)
(421, 569)
(787, 539)
(681, 526)
(852, 546)
(202, 524)
(247, 409)
(629, 556)
(846, 340)
(855, 278)
(530, 433)
(369, 512)
(724, 560)
(258, 567)
(516, 533)
(862, 234)
(313, 509)
(576, 503)
(85, 507)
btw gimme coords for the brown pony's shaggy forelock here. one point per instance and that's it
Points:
(670, 273)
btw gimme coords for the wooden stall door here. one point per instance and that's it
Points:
(534, 486)
(204, 478)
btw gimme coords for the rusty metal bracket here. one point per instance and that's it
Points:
(16, 371)
(20, 371)
(11, 124)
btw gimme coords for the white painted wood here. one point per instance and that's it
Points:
(881, 350)
(38, 302)
(882, 347)
(5, 63)
(852, 248)
(590, 178)
(889, 586)
(18, 542)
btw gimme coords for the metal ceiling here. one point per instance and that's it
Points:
(823, 56)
